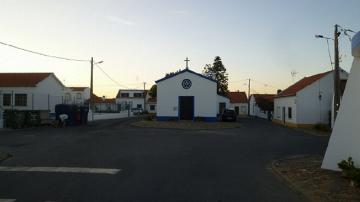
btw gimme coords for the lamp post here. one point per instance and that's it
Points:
(91, 84)
(336, 67)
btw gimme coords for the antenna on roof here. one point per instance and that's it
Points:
(293, 75)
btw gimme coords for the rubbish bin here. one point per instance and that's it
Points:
(84, 110)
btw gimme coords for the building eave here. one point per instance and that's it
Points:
(183, 71)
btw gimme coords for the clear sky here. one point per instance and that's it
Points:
(142, 40)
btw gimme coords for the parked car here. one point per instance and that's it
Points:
(137, 111)
(229, 115)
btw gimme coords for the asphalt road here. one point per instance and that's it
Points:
(156, 164)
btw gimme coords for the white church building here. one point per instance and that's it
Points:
(187, 95)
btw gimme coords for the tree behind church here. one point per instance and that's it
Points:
(218, 72)
(153, 91)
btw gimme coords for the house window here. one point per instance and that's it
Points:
(152, 107)
(67, 98)
(124, 95)
(20, 99)
(139, 106)
(278, 112)
(138, 95)
(289, 113)
(78, 96)
(6, 99)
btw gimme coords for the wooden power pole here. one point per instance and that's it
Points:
(336, 72)
(249, 98)
(144, 97)
(91, 82)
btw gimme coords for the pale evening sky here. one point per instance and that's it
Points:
(142, 40)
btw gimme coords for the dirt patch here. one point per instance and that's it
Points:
(185, 125)
(304, 174)
(4, 156)
(314, 132)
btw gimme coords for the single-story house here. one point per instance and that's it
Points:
(151, 105)
(30, 91)
(239, 102)
(76, 95)
(307, 102)
(102, 104)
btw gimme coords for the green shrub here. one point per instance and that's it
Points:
(199, 118)
(350, 171)
(150, 117)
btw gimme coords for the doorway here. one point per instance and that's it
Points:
(237, 110)
(186, 107)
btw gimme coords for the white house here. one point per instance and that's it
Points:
(307, 102)
(132, 98)
(102, 104)
(223, 103)
(151, 104)
(257, 110)
(30, 91)
(239, 102)
(76, 95)
(187, 95)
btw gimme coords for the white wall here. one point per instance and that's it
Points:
(222, 99)
(255, 110)
(243, 107)
(106, 116)
(286, 102)
(203, 90)
(311, 109)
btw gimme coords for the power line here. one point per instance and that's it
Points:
(107, 75)
(265, 84)
(42, 54)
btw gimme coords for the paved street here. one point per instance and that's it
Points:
(151, 164)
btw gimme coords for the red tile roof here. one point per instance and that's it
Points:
(237, 97)
(78, 88)
(268, 97)
(22, 79)
(97, 99)
(293, 89)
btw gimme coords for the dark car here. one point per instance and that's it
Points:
(229, 115)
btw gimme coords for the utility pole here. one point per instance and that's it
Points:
(144, 96)
(249, 98)
(336, 72)
(91, 86)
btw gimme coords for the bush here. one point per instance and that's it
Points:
(199, 118)
(350, 171)
(150, 117)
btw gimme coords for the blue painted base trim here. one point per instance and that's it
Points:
(210, 119)
(171, 118)
(166, 118)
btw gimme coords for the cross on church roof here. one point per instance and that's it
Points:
(187, 62)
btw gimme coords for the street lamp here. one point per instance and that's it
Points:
(318, 36)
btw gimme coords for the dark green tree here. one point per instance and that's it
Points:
(218, 72)
(153, 91)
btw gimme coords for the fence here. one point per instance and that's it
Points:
(20, 100)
